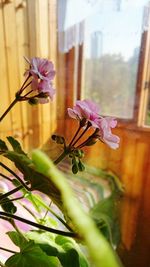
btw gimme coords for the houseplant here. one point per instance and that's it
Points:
(51, 244)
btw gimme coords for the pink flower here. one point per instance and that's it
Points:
(105, 134)
(42, 72)
(85, 109)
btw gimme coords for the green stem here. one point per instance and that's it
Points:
(8, 109)
(42, 227)
(15, 227)
(61, 157)
(42, 203)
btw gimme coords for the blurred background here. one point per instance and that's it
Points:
(101, 51)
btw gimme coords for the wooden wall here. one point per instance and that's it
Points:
(27, 28)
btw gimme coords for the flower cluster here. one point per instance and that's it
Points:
(88, 110)
(42, 73)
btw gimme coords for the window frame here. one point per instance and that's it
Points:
(142, 82)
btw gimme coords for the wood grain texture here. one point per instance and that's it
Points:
(26, 30)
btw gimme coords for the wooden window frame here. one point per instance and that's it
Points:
(142, 83)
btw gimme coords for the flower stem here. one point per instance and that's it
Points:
(6, 177)
(13, 191)
(8, 109)
(81, 134)
(78, 130)
(61, 157)
(23, 85)
(42, 227)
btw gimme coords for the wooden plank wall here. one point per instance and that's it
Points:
(27, 28)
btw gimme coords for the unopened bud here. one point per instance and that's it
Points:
(74, 168)
(81, 166)
(78, 153)
(58, 139)
(91, 141)
(33, 101)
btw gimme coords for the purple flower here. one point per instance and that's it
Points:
(105, 134)
(85, 109)
(42, 72)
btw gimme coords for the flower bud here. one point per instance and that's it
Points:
(78, 153)
(74, 168)
(33, 101)
(58, 139)
(81, 166)
(91, 141)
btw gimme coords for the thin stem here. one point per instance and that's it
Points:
(88, 139)
(16, 99)
(14, 174)
(81, 134)
(11, 200)
(42, 227)
(13, 191)
(55, 214)
(8, 250)
(6, 177)
(78, 130)
(8, 109)
(10, 192)
(27, 92)
(28, 210)
(44, 217)
(61, 157)
(22, 87)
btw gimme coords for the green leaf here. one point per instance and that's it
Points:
(19, 240)
(38, 181)
(15, 145)
(30, 254)
(105, 214)
(3, 146)
(64, 248)
(99, 249)
(73, 256)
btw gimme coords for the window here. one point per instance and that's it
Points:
(111, 57)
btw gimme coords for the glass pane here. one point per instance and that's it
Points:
(111, 54)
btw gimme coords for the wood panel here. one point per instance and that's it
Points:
(28, 28)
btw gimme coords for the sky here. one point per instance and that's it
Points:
(120, 30)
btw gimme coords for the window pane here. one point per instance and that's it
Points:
(111, 55)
